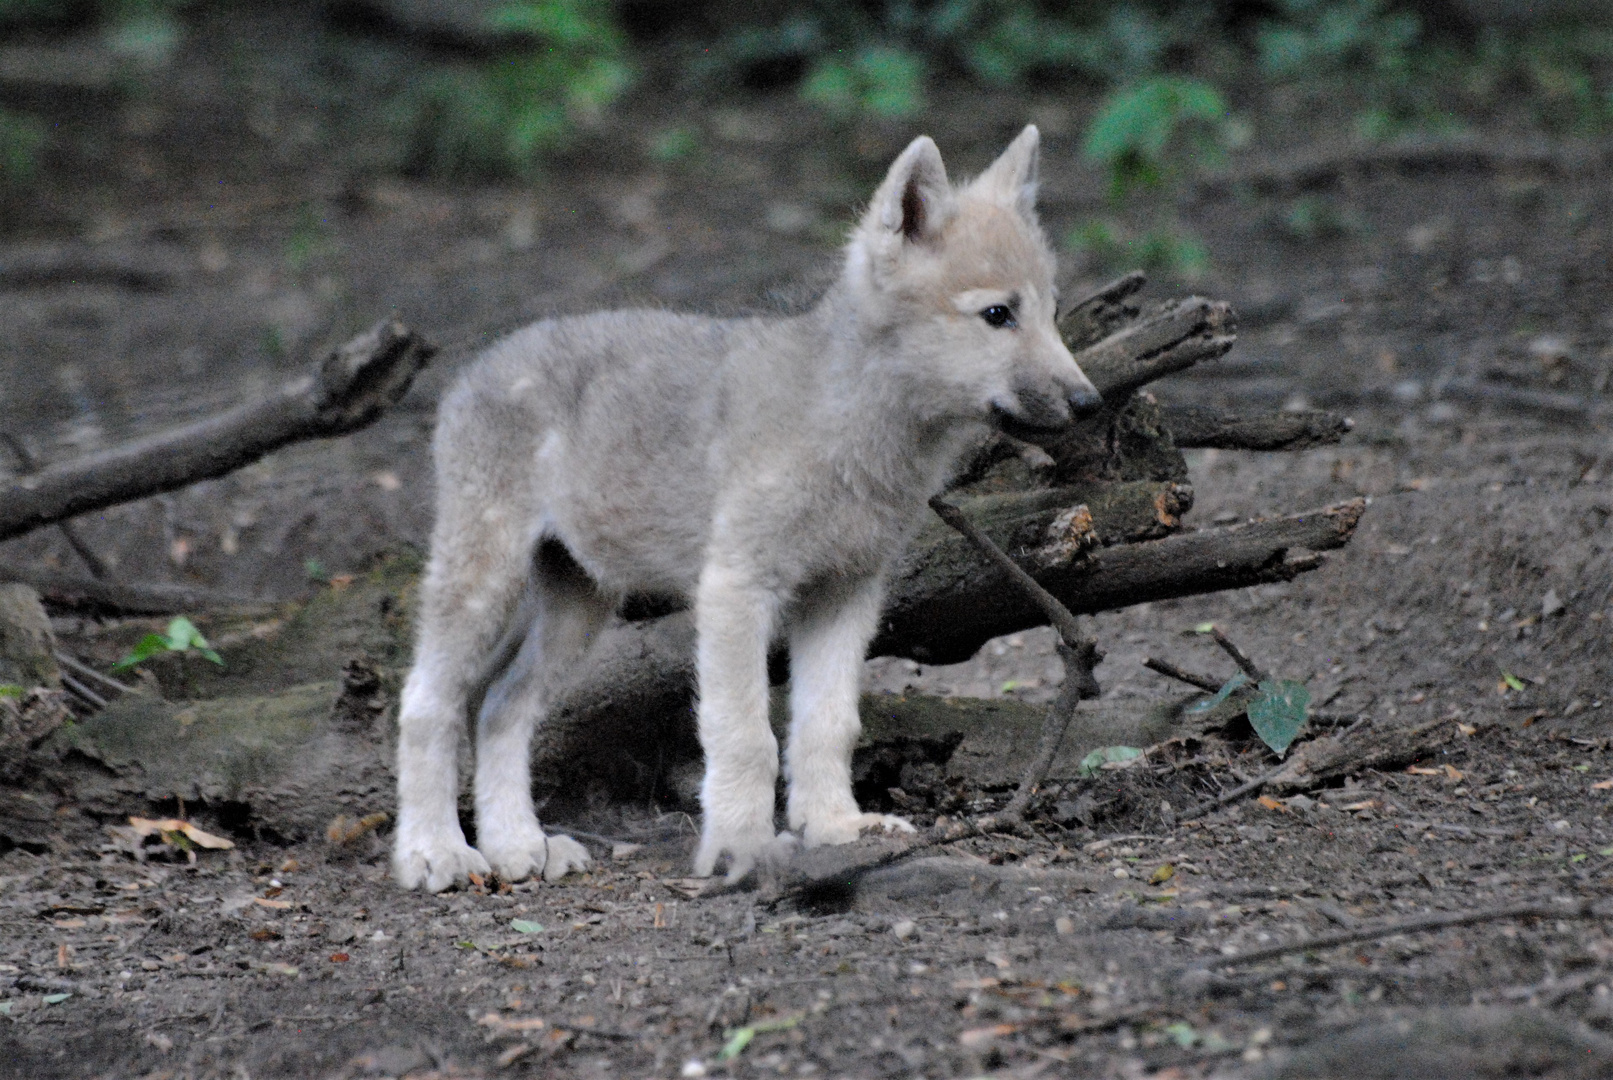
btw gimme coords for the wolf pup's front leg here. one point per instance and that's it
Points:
(828, 641)
(734, 619)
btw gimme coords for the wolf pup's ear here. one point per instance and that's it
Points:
(1011, 179)
(916, 199)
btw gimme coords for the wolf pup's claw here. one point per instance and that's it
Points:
(845, 830)
(437, 865)
(565, 855)
(531, 853)
(743, 857)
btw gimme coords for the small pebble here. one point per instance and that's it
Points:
(693, 1067)
(903, 929)
(1064, 925)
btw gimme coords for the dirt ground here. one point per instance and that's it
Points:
(210, 251)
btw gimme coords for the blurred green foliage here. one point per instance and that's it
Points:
(1141, 131)
(1165, 71)
(504, 115)
(21, 138)
(1142, 135)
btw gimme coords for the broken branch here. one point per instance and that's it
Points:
(1438, 921)
(348, 390)
(1170, 670)
(1195, 426)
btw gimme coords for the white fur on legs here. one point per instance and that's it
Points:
(827, 645)
(569, 612)
(478, 567)
(734, 622)
(430, 847)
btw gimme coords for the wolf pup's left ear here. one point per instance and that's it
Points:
(1011, 179)
(916, 198)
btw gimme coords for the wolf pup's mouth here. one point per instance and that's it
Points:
(1020, 428)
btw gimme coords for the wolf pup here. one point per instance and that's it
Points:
(770, 470)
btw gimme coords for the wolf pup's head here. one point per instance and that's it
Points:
(960, 281)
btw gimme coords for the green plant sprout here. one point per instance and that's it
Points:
(182, 637)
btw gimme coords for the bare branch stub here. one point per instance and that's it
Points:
(1255, 672)
(353, 386)
(1191, 678)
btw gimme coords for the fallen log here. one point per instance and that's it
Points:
(946, 602)
(347, 391)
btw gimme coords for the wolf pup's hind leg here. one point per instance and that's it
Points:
(828, 641)
(469, 593)
(569, 611)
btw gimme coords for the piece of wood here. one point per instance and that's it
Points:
(1199, 427)
(1324, 761)
(65, 593)
(942, 609)
(1172, 338)
(639, 680)
(348, 390)
(28, 464)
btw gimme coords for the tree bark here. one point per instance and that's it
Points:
(1194, 426)
(349, 390)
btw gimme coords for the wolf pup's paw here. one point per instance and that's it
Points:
(844, 830)
(531, 853)
(744, 853)
(435, 863)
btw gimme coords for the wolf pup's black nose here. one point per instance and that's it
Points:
(1085, 400)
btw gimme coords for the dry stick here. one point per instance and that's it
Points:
(82, 692)
(1079, 653)
(1582, 910)
(1165, 667)
(1231, 796)
(97, 566)
(88, 672)
(1239, 657)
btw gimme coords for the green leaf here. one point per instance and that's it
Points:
(524, 926)
(11, 690)
(1279, 711)
(1204, 628)
(56, 999)
(1182, 1034)
(1105, 756)
(1220, 695)
(145, 649)
(1512, 680)
(1137, 125)
(738, 1039)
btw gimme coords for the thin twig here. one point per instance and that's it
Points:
(1057, 614)
(1078, 652)
(90, 673)
(1437, 921)
(82, 692)
(1232, 795)
(25, 458)
(1239, 657)
(1170, 670)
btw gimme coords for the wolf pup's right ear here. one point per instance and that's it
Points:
(1011, 179)
(915, 201)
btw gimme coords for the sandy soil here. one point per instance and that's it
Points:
(1107, 942)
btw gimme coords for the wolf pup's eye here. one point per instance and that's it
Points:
(999, 315)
